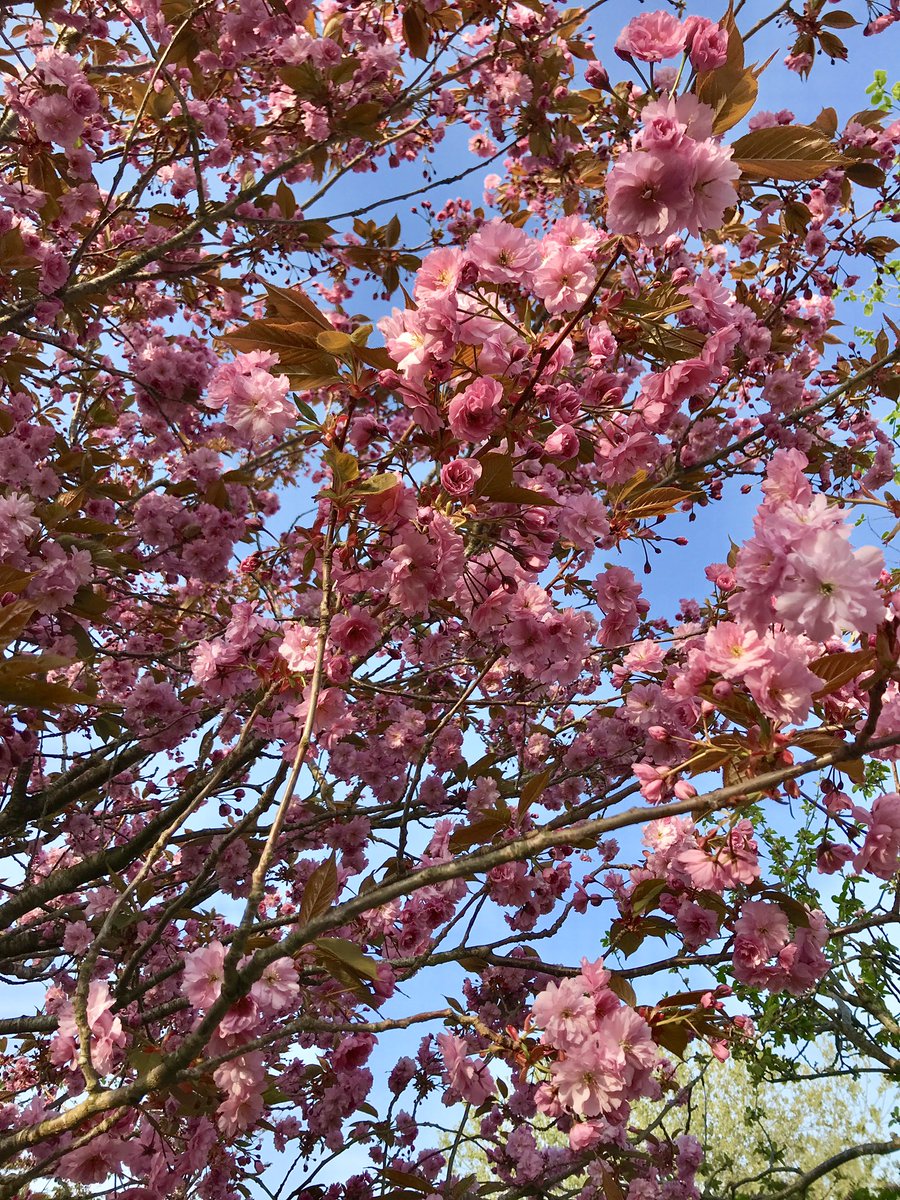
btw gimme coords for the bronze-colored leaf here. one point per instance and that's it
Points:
(791, 152)
(496, 483)
(320, 892)
(837, 669)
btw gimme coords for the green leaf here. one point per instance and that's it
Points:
(347, 953)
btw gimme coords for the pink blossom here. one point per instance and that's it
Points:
(564, 279)
(880, 854)
(475, 413)
(299, 647)
(56, 120)
(707, 43)
(277, 988)
(459, 477)
(713, 176)
(468, 1077)
(504, 254)
(95, 1162)
(203, 974)
(590, 1080)
(734, 651)
(697, 925)
(354, 631)
(255, 400)
(564, 1012)
(17, 523)
(652, 37)
(439, 274)
(647, 194)
(764, 923)
(830, 588)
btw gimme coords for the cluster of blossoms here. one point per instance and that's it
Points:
(675, 177)
(603, 1054)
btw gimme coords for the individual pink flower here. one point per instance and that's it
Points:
(504, 254)
(696, 924)
(475, 413)
(204, 974)
(17, 523)
(468, 1077)
(299, 647)
(713, 176)
(733, 651)
(695, 117)
(564, 279)
(277, 988)
(590, 1080)
(56, 120)
(707, 43)
(648, 194)
(651, 37)
(354, 631)
(439, 274)
(95, 1162)
(564, 1012)
(830, 588)
(765, 923)
(562, 443)
(459, 477)
(880, 854)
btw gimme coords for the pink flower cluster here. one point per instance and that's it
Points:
(603, 1052)
(762, 933)
(799, 569)
(676, 176)
(255, 400)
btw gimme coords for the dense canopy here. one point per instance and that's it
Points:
(379, 770)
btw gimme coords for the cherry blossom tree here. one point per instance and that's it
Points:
(357, 783)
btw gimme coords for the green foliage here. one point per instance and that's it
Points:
(882, 94)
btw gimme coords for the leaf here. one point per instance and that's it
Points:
(839, 20)
(376, 484)
(496, 483)
(36, 693)
(533, 790)
(656, 502)
(485, 829)
(732, 89)
(837, 669)
(415, 32)
(647, 892)
(795, 912)
(293, 304)
(285, 199)
(673, 1035)
(347, 953)
(320, 891)
(865, 174)
(623, 938)
(293, 342)
(334, 341)
(679, 999)
(344, 467)
(13, 619)
(792, 152)
(362, 118)
(827, 122)
(406, 1179)
(611, 1187)
(622, 988)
